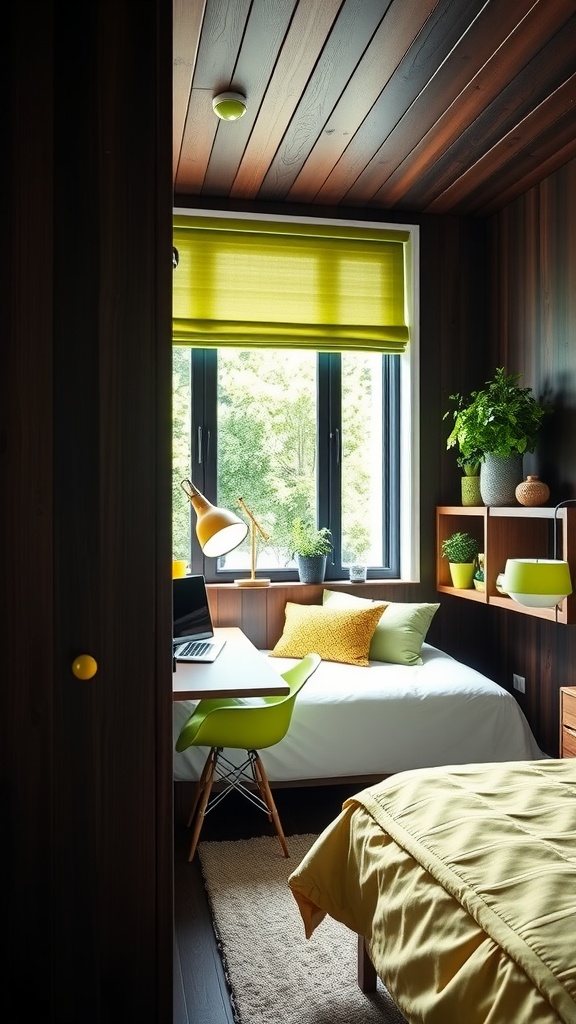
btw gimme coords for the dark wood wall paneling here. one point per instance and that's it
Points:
(85, 383)
(532, 331)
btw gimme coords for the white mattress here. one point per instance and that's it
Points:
(350, 721)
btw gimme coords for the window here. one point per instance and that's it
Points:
(298, 432)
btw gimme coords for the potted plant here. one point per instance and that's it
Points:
(311, 548)
(461, 550)
(495, 427)
(479, 578)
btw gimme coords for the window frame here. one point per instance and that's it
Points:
(204, 469)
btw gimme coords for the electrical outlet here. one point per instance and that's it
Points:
(519, 683)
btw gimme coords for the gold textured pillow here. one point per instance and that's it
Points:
(336, 634)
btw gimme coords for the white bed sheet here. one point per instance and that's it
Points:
(352, 721)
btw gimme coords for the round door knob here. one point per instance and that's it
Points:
(84, 666)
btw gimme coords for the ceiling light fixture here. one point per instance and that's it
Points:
(229, 106)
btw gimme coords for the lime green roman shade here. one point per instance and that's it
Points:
(259, 283)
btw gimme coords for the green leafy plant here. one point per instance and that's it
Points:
(460, 547)
(502, 419)
(309, 541)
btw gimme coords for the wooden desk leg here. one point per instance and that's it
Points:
(366, 970)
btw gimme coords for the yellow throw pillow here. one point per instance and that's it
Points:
(336, 634)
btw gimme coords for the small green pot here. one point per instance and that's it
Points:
(462, 574)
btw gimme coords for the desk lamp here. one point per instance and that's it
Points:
(539, 582)
(253, 580)
(218, 530)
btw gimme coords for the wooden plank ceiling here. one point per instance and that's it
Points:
(442, 106)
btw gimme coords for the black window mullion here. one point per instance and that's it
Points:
(203, 443)
(329, 475)
(210, 412)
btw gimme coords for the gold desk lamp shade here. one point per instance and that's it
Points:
(218, 530)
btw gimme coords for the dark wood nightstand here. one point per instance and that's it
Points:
(568, 721)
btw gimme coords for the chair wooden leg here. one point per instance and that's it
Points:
(211, 763)
(259, 774)
(264, 787)
(200, 787)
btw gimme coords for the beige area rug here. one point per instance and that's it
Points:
(275, 974)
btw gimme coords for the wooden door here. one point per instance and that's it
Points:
(85, 456)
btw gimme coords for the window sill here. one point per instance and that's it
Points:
(327, 584)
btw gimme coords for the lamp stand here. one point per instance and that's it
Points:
(561, 504)
(253, 580)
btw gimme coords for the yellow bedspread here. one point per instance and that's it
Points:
(463, 882)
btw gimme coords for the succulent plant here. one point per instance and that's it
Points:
(460, 547)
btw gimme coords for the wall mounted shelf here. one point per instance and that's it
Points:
(503, 533)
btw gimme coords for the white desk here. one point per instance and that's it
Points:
(239, 671)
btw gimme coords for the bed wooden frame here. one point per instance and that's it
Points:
(367, 974)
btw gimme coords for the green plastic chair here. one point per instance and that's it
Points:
(251, 727)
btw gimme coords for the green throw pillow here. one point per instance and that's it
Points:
(401, 631)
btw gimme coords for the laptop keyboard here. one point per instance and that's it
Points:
(196, 648)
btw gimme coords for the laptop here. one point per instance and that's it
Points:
(193, 632)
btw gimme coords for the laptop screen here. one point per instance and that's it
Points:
(192, 619)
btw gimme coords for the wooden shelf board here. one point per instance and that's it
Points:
(527, 533)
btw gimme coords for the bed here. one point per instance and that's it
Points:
(364, 723)
(461, 883)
